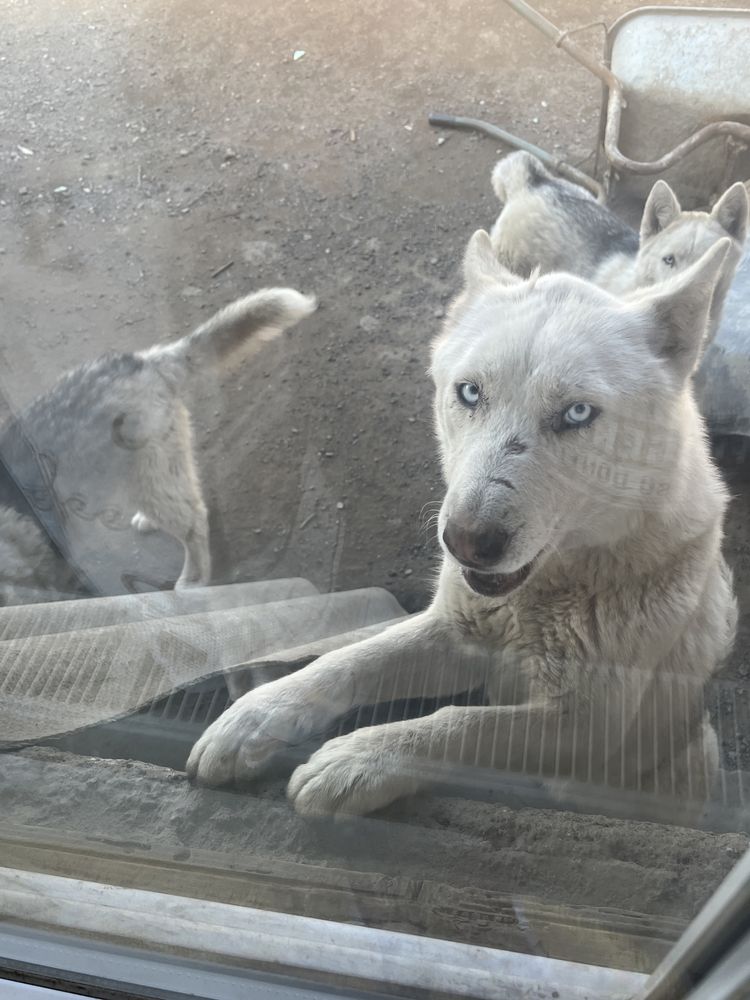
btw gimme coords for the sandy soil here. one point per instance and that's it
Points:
(586, 888)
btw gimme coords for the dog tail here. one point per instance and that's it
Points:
(249, 322)
(516, 173)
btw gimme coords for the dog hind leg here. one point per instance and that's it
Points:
(171, 495)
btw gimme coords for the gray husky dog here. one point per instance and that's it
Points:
(117, 432)
(552, 224)
(582, 585)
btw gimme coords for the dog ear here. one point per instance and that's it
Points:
(481, 266)
(731, 211)
(661, 209)
(677, 310)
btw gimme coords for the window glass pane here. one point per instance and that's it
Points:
(290, 622)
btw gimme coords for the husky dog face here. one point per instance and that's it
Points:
(673, 240)
(560, 411)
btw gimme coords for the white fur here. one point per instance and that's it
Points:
(170, 484)
(554, 225)
(629, 598)
(30, 570)
(119, 427)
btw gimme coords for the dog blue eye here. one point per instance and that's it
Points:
(468, 393)
(578, 415)
(668, 260)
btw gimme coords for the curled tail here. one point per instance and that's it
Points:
(517, 172)
(254, 319)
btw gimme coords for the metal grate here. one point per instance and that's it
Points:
(164, 732)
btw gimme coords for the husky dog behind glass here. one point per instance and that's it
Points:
(113, 431)
(552, 224)
(582, 585)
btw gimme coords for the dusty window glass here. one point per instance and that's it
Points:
(291, 622)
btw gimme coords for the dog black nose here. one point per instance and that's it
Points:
(477, 548)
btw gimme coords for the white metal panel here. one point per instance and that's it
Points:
(681, 70)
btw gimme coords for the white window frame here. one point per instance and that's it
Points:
(136, 943)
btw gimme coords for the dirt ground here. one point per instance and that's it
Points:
(584, 888)
(147, 147)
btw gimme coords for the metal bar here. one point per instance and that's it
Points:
(237, 935)
(125, 973)
(731, 977)
(719, 926)
(617, 102)
(562, 41)
(559, 166)
(733, 130)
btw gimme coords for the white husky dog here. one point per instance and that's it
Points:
(552, 224)
(581, 529)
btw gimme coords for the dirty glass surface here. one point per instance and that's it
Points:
(162, 161)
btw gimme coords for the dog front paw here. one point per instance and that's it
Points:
(352, 775)
(241, 743)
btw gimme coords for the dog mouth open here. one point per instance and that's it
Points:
(496, 584)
